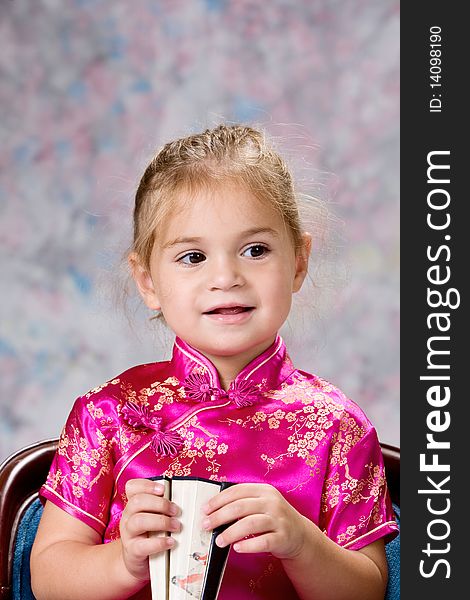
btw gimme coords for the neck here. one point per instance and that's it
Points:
(228, 367)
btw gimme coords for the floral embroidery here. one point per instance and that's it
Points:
(350, 433)
(257, 584)
(222, 449)
(307, 426)
(165, 390)
(318, 392)
(273, 423)
(74, 449)
(96, 413)
(101, 387)
(342, 488)
(196, 448)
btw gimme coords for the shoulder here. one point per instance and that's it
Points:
(133, 384)
(349, 430)
(96, 417)
(322, 398)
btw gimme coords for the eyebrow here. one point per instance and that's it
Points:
(198, 240)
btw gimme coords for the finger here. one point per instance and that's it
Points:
(260, 543)
(236, 492)
(144, 546)
(251, 525)
(233, 511)
(141, 523)
(152, 504)
(143, 486)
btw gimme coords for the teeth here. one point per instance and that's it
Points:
(229, 310)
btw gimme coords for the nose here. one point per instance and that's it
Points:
(225, 273)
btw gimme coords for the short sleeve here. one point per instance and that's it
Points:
(356, 508)
(80, 480)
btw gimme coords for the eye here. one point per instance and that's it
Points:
(256, 251)
(192, 258)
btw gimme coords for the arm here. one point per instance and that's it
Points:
(324, 570)
(69, 560)
(317, 567)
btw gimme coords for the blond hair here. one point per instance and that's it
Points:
(227, 153)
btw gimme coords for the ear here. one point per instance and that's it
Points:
(301, 262)
(143, 281)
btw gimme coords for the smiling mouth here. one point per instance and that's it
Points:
(229, 310)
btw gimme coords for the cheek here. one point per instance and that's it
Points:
(278, 296)
(280, 279)
(164, 289)
(175, 294)
(165, 292)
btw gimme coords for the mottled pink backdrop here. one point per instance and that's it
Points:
(89, 88)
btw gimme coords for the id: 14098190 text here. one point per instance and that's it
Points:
(435, 68)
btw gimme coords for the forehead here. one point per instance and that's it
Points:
(227, 207)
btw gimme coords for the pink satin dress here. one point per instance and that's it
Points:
(275, 424)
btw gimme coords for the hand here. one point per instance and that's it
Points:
(146, 511)
(262, 512)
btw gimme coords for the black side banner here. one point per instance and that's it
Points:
(435, 238)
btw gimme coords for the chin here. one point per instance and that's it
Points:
(224, 350)
(240, 349)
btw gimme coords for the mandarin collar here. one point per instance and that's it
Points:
(201, 383)
(267, 371)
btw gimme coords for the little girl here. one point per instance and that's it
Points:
(218, 252)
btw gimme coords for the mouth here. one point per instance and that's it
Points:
(229, 309)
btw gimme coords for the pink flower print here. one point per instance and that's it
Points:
(222, 449)
(197, 387)
(77, 491)
(212, 444)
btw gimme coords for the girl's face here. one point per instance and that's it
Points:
(223, 272)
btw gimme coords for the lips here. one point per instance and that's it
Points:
(231, 315)
(229, 310)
